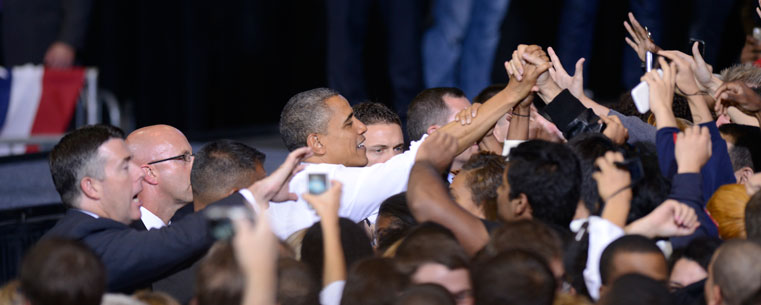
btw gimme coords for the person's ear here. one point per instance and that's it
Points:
(150, 176)
(313, 142)
(91, 188)
(432, 128)
(743, 175)
(716, 298)
(520, 205)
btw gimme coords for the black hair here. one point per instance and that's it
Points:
(513, 277)
(699, 250)
(647, 193)
(306, 112)
(636, 289)
(588, 147)
(401, 220)
(745, 136)
(624, 244)
(550, 177)
(375, 113)
(76, 156)
(354, 241)
(488, 93)
(425, 294)
(753, 217)
(428, 108)
(222, 166)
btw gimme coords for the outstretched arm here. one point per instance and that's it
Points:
(501, 103)
(326, 205)
(428, 197)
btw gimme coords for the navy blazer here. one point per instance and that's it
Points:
(134, 259)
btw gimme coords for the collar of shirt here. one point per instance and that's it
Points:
(88, 213)
(150, 220)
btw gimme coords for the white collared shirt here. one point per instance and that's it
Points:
(150, 220)
(364, 189)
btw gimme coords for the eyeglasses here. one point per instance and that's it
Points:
(184, 157)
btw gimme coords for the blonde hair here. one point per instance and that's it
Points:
(154, 298)
(746, 73)
(295, 241)
(727, 208)
(9, 294)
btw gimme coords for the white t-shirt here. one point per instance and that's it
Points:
(364, 189)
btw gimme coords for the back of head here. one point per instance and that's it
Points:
(76, 156)
(588, 147)
(550, 177)
(395, 208)
(736, 269)
(484, 178)
(626, 244)
(375, 113)
(753, 217)
(747, 73)
(60, 271)
(636, 289)
(223, 166)
(219, 279)
(513, 277)
(425, 294)
(354, 241)
(527, 235)
(748, 137)
(430, 243)
(699, 250)
(305, 113)
(120, 299)
(428, 108)
(295, 284)
(727, 208)
(488, 93)
(373, 281)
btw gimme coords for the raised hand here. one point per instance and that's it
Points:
(737, 94)
(685, 78)
(692, 149)
(515, 65)
(662, 93)
(640, 40)
(326, 204)
(439, 149)
(703, 71)
(275, 186)
(537, 63)
(256, 252)
(466, 115)
(615, 130)
(611, 180)
(575, 83)
(671, 218)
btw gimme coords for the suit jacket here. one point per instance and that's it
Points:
(133, 258)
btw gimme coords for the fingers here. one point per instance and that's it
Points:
(638, 28)
(579, 67)
(634, 42)
(517, 64)
(556, 64)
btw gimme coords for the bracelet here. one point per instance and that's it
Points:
(520, 115)
(619, 191)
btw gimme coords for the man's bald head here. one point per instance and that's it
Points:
(736, 270)
(166, 158)
(151, 143)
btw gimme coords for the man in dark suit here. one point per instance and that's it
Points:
(95, 176)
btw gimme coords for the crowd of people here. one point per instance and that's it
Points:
(533, 194)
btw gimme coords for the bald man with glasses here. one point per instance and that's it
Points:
(164, 155)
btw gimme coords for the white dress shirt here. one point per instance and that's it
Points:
(150, 220)
(364, 189)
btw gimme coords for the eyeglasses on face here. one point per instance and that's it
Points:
(184, 157)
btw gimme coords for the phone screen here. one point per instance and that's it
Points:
(317, 183)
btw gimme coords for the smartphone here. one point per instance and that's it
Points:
(649, 61)
(634, 166)
(641, 95)
(219, 220)
(317, 183)
(701, 46)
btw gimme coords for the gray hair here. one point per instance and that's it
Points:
(305, 113)
(747, 73)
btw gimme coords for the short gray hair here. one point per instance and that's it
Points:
(305, 113)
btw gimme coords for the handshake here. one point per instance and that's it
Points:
(528, 72)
